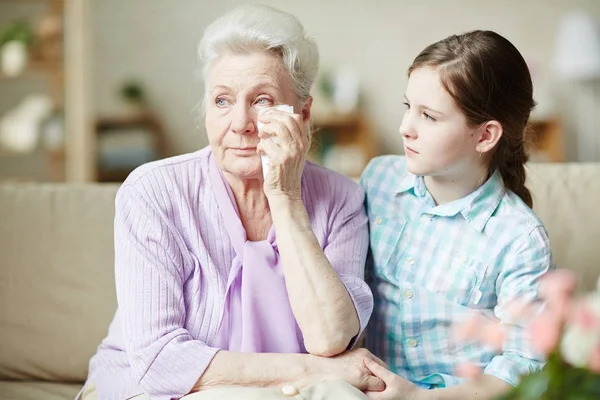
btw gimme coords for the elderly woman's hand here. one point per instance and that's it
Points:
(350, 367)
(286, 146)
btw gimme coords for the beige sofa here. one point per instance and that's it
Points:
(56, 270)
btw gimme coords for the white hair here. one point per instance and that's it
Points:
(252, 28)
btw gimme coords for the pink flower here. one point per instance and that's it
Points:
(558, 285)
(492, 334)
(557, 289)
(478, 327)
(468, 370)
(545, 331)
(584, 315)
(582, 331)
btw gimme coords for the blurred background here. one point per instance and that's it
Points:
(90, 89)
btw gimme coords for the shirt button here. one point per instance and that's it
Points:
(408, 294)
(379, 221)
(289, 390)
(410, 261)
(463, 259)
(413, 343)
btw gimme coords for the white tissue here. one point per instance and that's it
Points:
(265, 159)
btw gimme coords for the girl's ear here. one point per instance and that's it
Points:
(489, 135)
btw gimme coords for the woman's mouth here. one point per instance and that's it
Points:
(244, 151)
(409, 151)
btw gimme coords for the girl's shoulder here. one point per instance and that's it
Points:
(512, 214)
(388, 169)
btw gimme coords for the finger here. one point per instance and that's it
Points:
(288, 126)
(277, 133)
(271, 149)
(292, 121)
(379, 361)
(381, 372)
(375, 384)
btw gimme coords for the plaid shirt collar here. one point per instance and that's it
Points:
(476, 208)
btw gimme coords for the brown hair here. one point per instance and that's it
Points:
(489, 80)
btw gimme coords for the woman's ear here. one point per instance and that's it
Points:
(305, 112)
(489, 135)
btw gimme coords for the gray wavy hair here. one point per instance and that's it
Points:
(252, 28)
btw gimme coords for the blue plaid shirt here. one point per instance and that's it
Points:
(429, 265)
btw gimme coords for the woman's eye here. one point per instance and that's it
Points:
(221, 102)
(406, 105)
(428, 117)
(264, 101)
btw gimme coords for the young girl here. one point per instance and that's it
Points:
(451, 224)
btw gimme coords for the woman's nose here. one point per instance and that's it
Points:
(407, 129)
(243, 119)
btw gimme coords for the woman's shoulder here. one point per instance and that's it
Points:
(169, 175)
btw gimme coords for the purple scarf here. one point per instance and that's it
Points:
(257, 317)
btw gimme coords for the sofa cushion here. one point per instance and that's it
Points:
(566, 197)
(38, 390)
(57, 291)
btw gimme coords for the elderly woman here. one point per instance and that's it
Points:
(225, 278)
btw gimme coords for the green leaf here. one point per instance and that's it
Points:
(18, 31)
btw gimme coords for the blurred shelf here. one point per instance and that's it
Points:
(125, 131)
(66, 82)
(38, 150)
(37, 165)
(343, 142)
(546, 140)
(38, 69)
(337, 120)
(33, 1)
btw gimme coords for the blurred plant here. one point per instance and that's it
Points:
(567, 330)
(18, 31)
(133, 93)
(325, 84)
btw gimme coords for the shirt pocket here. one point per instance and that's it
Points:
(385, 234)
(457, 278)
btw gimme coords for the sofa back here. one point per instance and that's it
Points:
(57, 293)
(566, 197)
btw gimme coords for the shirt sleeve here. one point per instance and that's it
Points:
(150, 271)
(346, 250)
(529, 259)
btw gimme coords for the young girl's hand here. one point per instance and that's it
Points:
(396, 387)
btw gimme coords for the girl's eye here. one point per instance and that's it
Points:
(264, 101)
(221, 102)
(406, 105)
(428, 117)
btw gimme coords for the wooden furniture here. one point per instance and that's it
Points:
(153, 142)
(546, 141)
(343, 142)
(63, 59)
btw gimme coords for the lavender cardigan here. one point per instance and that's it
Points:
(172, 262)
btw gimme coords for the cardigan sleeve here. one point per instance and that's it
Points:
(150, 271)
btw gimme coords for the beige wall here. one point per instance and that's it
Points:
(155, 40)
